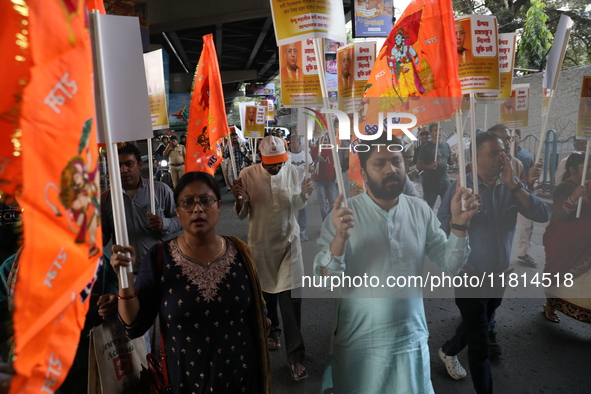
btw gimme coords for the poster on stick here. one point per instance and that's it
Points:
(254, 121)
(153, 62)
(584, 121)
(373, 18)
(477, 48)
(515, 110)
(354, 64)
(300, 83)
(297, 20)
(507, 47)
(557, 52)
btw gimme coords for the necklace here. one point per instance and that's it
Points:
(209, 261)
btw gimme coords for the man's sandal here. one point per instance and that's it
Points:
(295, 372)
(550, 313)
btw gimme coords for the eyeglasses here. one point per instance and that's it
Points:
(276, 165)
(188, 206)
(509, 138)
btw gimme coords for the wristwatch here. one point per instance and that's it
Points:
(459, 227)
(516, 188)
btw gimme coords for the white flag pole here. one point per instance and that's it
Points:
(512, 148)
(461, 156)
(331, 132)
(538, 156)
(485, 117)
(151, 177)
(473, 144)
(585, 166)
(119, 220)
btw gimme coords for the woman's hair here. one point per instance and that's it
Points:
(196, 176)
(573, 161)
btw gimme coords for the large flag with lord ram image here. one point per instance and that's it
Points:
(416, 72)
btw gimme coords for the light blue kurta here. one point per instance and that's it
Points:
(379, 345)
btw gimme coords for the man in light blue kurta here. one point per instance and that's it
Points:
(379, 345)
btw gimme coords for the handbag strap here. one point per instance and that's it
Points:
(163, 367)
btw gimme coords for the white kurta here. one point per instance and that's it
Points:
(272, 203)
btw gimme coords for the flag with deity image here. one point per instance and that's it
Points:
(207, 118)
(414, 80)
(48, 120)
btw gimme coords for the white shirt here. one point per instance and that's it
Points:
(272, 203)
(297, 160)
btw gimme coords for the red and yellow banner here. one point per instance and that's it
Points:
(207, 118)
(298, 20)
(515, 110)
(254, 121)
(584, 119)
(507, 49)
(477, 51)
(415, 73)
(300, 83)
(49, 118)
(354, 65)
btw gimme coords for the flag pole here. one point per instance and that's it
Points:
(119, 219)
(583, 180)
(512, 148)
(436, 144)
(473, 144)
(461, 153)
(538, 156)
(485, 116)
(331, 132)
(151, 177)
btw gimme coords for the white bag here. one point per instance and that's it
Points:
(114, 360)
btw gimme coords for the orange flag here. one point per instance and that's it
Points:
(96, 5)
(53, 112)
(416, 72)
(207, 118)
(15, 55)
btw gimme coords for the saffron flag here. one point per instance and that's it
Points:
(60, 192)
(415, 73)
(96, 5)
(207, 118)
(15, 56)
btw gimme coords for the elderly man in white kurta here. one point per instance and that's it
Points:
(271, 195)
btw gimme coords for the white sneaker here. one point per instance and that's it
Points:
(453, 366)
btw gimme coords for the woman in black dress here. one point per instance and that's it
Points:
(206, 291)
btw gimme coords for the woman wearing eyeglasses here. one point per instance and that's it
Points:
(568, 250)
(206, 291)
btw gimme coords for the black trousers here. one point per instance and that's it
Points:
(473, 332)
(291, 315)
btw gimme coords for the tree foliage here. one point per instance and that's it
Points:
(536, 39)
(512, 16)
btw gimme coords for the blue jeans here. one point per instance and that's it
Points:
(327, 192)
(477, 314)
(302, 219)
(431, 193)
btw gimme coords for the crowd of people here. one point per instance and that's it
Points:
(216, 299)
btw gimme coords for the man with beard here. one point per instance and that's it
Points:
(502, 196)
(380, 345)
(271, 197)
